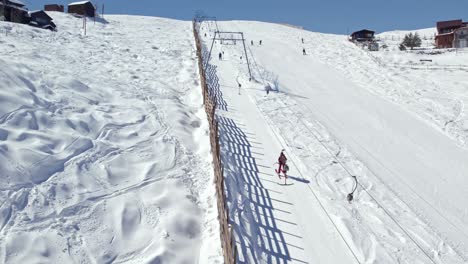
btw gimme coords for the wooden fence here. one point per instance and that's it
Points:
(227, 236)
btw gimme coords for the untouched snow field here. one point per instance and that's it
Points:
(104, 151)
(340, 112)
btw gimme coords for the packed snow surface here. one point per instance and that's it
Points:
(340, 111)
(104, 151)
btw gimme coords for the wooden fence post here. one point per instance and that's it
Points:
(226, 234)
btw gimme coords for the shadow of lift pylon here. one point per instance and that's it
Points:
(217, 36)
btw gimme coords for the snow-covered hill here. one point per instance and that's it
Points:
(392, 39)
(104, 153)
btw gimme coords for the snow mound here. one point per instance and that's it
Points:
(104, 152)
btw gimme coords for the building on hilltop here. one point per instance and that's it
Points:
(82, 8)
(42, 20)
(452, 34)
(363, 35)
(54, 7)
(365, 38)
(444, 27)
(13, 11)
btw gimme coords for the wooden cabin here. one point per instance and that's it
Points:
(444, 41)
(363, 35)
(452, 34)
(83, 8)
(444, 27)
(54, 7)
(14, 11)
(41, 19)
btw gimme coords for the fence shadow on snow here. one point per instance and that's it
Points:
(227, 238)
(212, 81)
(245, 205)
(251, 205)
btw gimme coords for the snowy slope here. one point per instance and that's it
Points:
(392, 39)
(104, 153)
(340, 112)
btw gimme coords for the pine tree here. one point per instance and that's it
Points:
(411, 40)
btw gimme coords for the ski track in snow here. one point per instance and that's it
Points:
(383, 224)
(104, 152)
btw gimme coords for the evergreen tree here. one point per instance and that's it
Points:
(411, 40)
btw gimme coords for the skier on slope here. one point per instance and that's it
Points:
(282, 165)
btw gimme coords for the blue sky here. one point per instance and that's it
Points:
(331, 16)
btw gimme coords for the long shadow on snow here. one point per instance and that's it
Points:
(250, 203)
(258, 237)
(212, 81)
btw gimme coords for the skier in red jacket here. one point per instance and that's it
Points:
(282, 165)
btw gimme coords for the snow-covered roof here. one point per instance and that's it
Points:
(39, 11)
(364, 30)
(16, 2)
(444, 34)
(79, 3)
(15, 6)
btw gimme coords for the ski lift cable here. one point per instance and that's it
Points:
(461, 255)
(357, 184)
(292, 160)
(315, 195)
(368, 193)
(348, 172)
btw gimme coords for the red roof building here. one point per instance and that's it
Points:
(451, 34)
(54, 7)
(448, 26)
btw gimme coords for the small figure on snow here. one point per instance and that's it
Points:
(283, 167)
(260, 42)
(303, 51)
(302, 40)
(220, 56)
(251, 42)
(267, 89)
